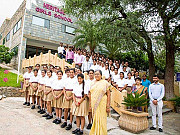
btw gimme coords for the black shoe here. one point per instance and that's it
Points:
(54, 121)
(33, 107)
(39, 107)
(89, 126)
(79, 133)
(64, 125)
(54, 113)
(74, 122)
(42, 112)
(62, 117)
(68, 117)
(25, 103)
(45, 115)
(160, 130)
(39, 111)
(69, 126)
(58, 122)
(49, 117)
(152, 128)
(75, 131)
(28, 104)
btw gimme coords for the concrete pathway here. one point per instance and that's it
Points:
(16, 119)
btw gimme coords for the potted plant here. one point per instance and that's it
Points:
(176, 103)
(134, 120)
(21, 79)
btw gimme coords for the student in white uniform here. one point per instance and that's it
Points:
(48, 94)
(121, 83)
(94, 66)
(33, 82)
(66, 75)
(88, 84)
(79, 105)
(125, 72)
(57, 90)
(69, 84)
(26, 85)
(106, 72)
(116, 76)
(40, 92)
(38, 68)
(112, 71)
(130, 81)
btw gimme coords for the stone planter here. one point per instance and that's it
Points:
(133, 122)
(169, 104)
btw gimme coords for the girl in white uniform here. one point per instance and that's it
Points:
(121, 83)
(130, 83)
(33, 86)
(79, 105)
(88, 84)
(40, 92)
(57, 90)
(48, 94)
(26, 85)
(69, 84)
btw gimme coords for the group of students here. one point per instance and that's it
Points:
(52, 89)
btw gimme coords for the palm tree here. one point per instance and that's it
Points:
(87, 35)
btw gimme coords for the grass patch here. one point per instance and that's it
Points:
(12, 79)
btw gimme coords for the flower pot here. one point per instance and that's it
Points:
(133, 122)
(178, 109)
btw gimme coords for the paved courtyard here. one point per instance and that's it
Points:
(16, 119)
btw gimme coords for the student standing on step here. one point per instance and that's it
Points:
(69, 84)
(26, 85)
(40, 92)
(88, 84)
(33, 82)
(48, 94)
(79, 105)
(57, 90)
(156, 94)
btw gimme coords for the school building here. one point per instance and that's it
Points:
(37, 29)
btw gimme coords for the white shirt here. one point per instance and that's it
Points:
(128, 69)
(86, 65)
(49, 81)
(28, 75)
(130, 82)
(57, 84)
(115, 77)
(64, 76)
(42, 80)
(60, 49)
(88, 84)
(112, 73)
(156, 91)
(94, 67)
(70, 83)
(106, 73)
(121, 83)
(34, 79)
(77, 90)
(120, 70)
(54, 75)
(39, 73)
(79, 59)
(125, 74)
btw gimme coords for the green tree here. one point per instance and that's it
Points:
(87, 35)
(5, 55)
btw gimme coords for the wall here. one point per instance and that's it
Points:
(11, 92)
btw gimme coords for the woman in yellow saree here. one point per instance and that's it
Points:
(100, 104)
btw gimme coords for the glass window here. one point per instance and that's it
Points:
(70, 30)
(17, 26)
(46, 23)
(63, 28)
(41, 22)
(7, 37)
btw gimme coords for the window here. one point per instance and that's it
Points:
(8, 37)
(17, 26)
(67, 29)
(41, 22)
(4, 41)
(0, 36)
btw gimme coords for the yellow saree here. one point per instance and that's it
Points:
(98, 103)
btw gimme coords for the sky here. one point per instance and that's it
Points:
(9, 7)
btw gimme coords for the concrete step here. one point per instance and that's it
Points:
(115, 116)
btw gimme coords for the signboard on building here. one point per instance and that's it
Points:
(59, 13)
